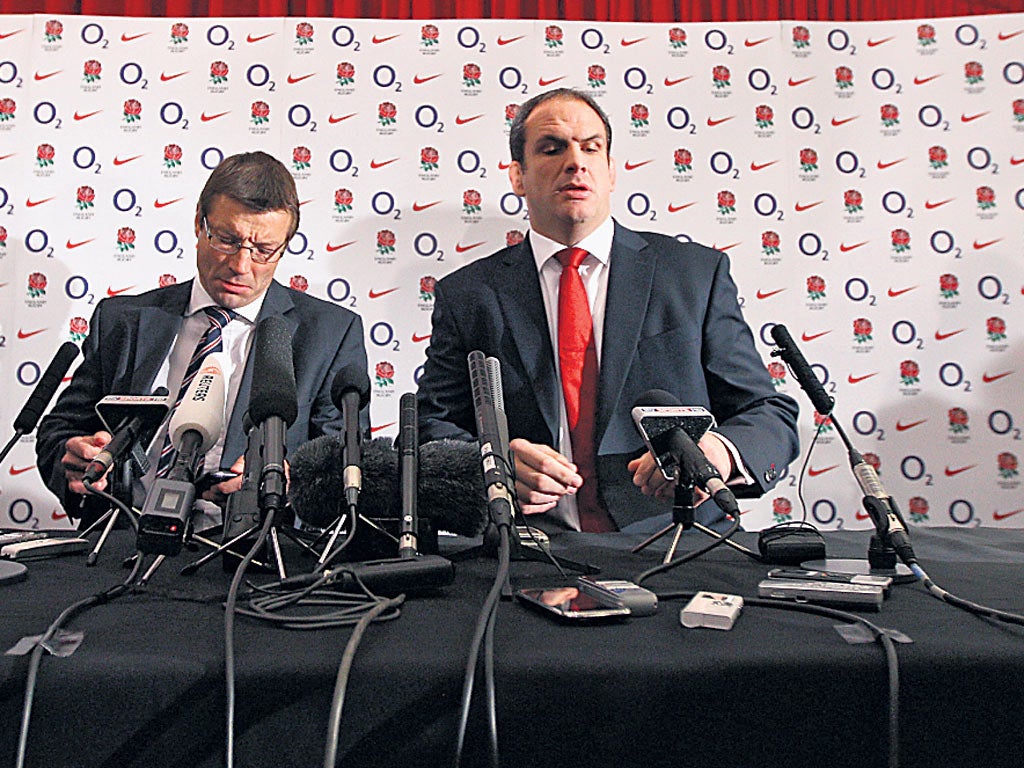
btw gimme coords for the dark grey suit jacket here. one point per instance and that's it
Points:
(672, 322)
(131, 336)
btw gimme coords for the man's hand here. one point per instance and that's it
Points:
(78, 452)
(543, 476)
(649, 478)
(219, 493)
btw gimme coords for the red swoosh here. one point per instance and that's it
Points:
(978, 246)
(23, 335)
(207, 118)
(670, 83)
(34, 203)
(165, 203)
(421, 80)
(1010, 36)
(377, 294)
(300, 78)
(723, 248)
(545, 83)
(793, 83)
(119, 161)
(417, 207)
(331, 248)
(923, 80)
(383, 426)
(768, 294)
(379, 40)
(48, 74)
(332, 119)
(858, 379)
(128, 38)
(943, 336)
(893, 294)
(901, 427)
(5, 35)
(882, 166)
(801, 207)
(15, 471)
(86, 115)
(713, 122)
(166, 78)
(812, 336)
(4, 157)
(970, 118)
(626, 43)
(873, 43)
(58, 515)
(1003, 515)
(837, 122)
(755, 167)
(115, 292)
(375, 165)
(71, 246)
(955, 472)
(989, 379)
(931, 206)
(1016, 160)
(507, 41)
(678, 208)
(460, 248)
(256, 38)
(812, 472)
(503, 166)
(460, 120)
(417, 339)
(861, 515)
(633, 166)
(752, 43)
(847, 248)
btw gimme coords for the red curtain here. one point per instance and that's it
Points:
(568, 10)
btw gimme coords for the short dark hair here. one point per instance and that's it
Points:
(257, 181)
(517, 133)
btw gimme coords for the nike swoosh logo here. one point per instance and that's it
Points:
(678, 208)
(4, 157)
(716, 247)
(768, 294)
(293, 80)
(755, 167)
(1003, 37)
(165, 203)
(86, 115)
(794, 83)
(502, 166)
(874, 43)
(545, 83)
(812, 336)
(48, 74)
(15, 471)
(813, 472)
(375, 165)
(626, 43)
(115, 292)
(801, 207)
(971, 118)
(460, 120)
(57, 515)
(377, 294)
(957, 471)
(207, 118)
(417, 207)
(931, 206)
(882, 166)
(923, 80)
(120, 161)
(836, 122)
(943, 336)
(633, 166)
(508, 40)
(861, 515)
(71, 246)
(383, 426)
(1016, 160)
(34, 203)
(331, 248)
(164, 77)
(5, 35)
(460, 248)
(847, 248)
(1003, 515)
(257, 38)
(752, 43)
(29, 334)
(893, 294)
(421, 80)
(858, 379)
(417, 339)
(333, 120)
(901, 427)
(712, 122)
(677, 81)
(379, 40)
(126, 38)
(978, 246)
(989, 379)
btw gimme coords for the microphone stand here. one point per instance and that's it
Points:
(121, 478)
(682, 516)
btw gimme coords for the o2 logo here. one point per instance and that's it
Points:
(382, 334)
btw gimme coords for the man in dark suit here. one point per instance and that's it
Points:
(247, 213)
(662, 314)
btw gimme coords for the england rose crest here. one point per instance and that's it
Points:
(949, 286)
(91, 71)
(938, 157)
(471, 202)
(958, 420)
(126, 239)
(910, 373)
(218, 73)
(79, 329)
(44, 155)
(304, 33)
(166, 279)
(900, 240)
(179, 33)
(53, 31)
(764, 117)
(777, 373)
(172, 156)
(808, 160)
(890, 115)
(720, 76)
(3, 239)
(995, 329)
(683, 160)
(639, 116)
(471, 75)
(822, 424)
(7, 109)
(511, 110)
(853, 201)
(429, 158)
(385, 242)
(84, 197)
(298, 283)
(918, 509)
(260, 112)
(782, 509)
(384, 373)
(301, 158)
(815, 287)
(1007, 465)
(844, 78)
(427, 284)
(801, 37)
(346, 72)
(974, 73)
(429, 35)
(677, 37)
(925, 35)
(770, 243)
(1018, 110)
(387, 113)
(36, 285)
(862, 330)
(343, 200)
(986, 198)
(553, 36)
(514, 237)
(726, 202)
(132, 111)
(596, 76)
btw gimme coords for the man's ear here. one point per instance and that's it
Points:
(515, 178)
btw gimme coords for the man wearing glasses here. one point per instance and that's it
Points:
(247, 213)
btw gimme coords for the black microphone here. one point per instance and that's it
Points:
(692, 461)
(53, 375)
(787, 350)
(493, 454)
(142, 416)
(409, 459)
(350, 393)
(882, 508)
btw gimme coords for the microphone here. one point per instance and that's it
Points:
(787, 350)
(194, 429)
(33, 409)
(408, 447)
(692, 461)
(140, 417)
(350, 393)
(882, 508)
(493, 454)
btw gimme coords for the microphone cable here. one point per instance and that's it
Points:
(718, 541)
(128, 511)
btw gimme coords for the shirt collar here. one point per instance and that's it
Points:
(598, 244)
(200, 300)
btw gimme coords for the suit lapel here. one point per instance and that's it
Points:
(157, 328)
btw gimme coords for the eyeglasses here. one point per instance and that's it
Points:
(229, 246)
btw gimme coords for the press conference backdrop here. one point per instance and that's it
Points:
(865, 179)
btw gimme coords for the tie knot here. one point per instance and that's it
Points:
(571, 257)
(220, 316)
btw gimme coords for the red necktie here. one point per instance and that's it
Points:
(577, 361)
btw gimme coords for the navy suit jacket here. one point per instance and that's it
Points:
(672, 322)
(131, 336)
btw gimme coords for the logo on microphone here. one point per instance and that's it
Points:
(918, 506)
